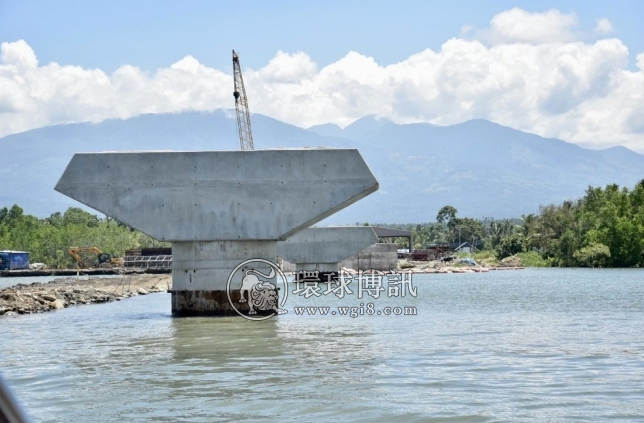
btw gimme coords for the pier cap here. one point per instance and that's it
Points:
(219, 195)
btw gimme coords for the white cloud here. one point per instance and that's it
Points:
(576, 91)
(518, 25)
(603, 27)
(33, 96)
(287, 68)
(18, 54)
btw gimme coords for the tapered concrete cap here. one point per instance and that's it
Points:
(219, 195)
(326, 245)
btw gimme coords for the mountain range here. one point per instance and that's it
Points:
(481, 168)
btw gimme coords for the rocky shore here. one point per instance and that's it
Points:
(65, 292)
(458, 269)
(508, 263)
(424, 268)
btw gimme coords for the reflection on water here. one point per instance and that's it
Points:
(536, 345)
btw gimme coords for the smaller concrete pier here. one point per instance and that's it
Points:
(322, 249)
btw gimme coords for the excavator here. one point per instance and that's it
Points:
(101, 257)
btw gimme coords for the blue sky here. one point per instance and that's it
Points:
(154, 34)
(572, 70)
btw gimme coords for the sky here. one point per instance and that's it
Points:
(572, 70)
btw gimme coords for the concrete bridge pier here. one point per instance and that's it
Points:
(218, 208)
(322, 249)
(200, 272)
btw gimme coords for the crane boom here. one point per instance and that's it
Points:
(241, 106)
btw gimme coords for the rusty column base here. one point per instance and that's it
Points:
(209, 303)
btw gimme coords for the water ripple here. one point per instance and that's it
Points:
(538, 345)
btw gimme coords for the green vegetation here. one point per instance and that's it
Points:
(509, 246)
(48, 239)
(605, 228)
(593, 255)
(533, 259)
(483, 255)
(486, 258)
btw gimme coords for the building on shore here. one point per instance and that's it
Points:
(14, 260)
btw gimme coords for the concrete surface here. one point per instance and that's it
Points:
(381, 256)
(219, 195)
(200, 272)
(324, 248)
(218, 208)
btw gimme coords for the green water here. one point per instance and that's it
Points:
(538, 345)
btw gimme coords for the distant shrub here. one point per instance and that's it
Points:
(482, 255)
(594, 254)
(509, 246)
(533, 259)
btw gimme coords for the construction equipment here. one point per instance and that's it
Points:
(101, 257)
(241, 106)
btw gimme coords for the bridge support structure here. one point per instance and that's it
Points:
(218, 208)
(322, 249)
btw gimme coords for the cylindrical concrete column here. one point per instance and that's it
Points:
(200, 272)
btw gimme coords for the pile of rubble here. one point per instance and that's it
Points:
(61, 293)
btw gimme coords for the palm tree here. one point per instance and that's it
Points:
(528, 230)
(499, 230)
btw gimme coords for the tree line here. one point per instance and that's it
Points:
(605, 228)
(48, 239)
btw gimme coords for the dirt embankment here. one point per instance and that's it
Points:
(65, 292)
(438, 267)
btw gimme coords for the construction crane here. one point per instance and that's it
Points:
(241, 106)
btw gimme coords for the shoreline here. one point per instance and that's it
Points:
(431, 267)
(64, 292)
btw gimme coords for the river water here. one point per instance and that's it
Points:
(536, 345)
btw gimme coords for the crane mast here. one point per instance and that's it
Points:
(241, 106)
